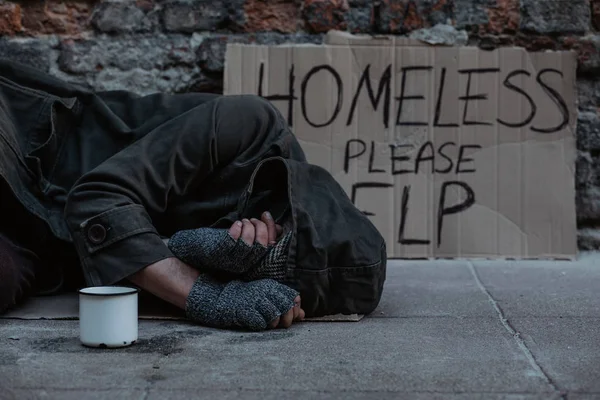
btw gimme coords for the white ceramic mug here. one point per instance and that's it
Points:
(108, 316)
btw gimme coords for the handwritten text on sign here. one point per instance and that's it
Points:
(384, 90)
(458, 104)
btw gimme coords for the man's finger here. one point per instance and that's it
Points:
(298, 312)
(268, 219)
(287, 319)
(248, 233)
(236, 230)
(274, 323)
(261, 232)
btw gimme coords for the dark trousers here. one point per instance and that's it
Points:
(17, 273)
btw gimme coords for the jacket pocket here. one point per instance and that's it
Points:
(41, 122)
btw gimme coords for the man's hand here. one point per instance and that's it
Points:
(255, 305)
(236, 251)
(294, 315)
(172, 279)
(263, 231)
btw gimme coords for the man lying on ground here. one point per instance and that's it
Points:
(203, 200)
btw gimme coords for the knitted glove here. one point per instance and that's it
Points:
(236, 304)
(209, 248)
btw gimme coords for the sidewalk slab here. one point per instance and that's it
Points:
(277, 395)
(78, 394)
(543, 288)
(405, 355)
(568, 349)
(176, 394)
(444, 330)
(391, 354)
(444, 288)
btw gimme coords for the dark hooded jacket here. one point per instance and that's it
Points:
(93, 182)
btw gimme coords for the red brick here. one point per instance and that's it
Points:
(324, 15)
(10, 19)
(536, 43)
(401, 16)
(504, 17)
(56, 17)
(278, 15)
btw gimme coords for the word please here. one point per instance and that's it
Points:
(441, 159)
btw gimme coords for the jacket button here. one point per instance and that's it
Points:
(97, 234)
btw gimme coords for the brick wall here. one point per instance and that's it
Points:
(179, 46)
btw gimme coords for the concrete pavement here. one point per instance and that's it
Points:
(444, 330)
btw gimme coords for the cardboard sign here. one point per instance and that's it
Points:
(451, 152)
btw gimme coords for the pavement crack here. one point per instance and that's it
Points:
(514, 333)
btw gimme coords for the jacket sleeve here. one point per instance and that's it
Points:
(110, 209)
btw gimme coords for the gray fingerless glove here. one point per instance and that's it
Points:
(237, 304)
(209, 248)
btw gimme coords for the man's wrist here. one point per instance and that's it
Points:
(169, 279)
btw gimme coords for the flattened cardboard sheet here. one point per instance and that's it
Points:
(450, 151)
